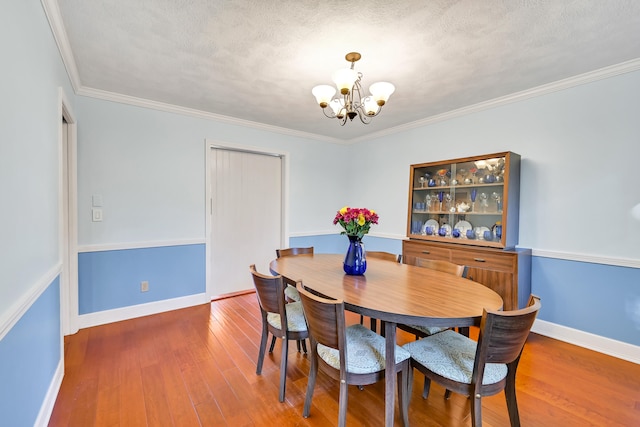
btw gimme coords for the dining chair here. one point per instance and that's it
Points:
(445, 267)
(387, 256)
(283, 320)
(353, 355)
(290, 289)
(424, 331)
(481, 368)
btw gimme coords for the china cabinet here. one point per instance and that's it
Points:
(466, 211)
(471, 201)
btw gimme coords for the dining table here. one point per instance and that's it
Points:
(394, 293)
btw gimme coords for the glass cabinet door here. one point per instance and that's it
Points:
(466, 200)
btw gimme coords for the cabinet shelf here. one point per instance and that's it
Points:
(455, 213)
(461, 186)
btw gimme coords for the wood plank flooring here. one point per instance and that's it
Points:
(196, 367)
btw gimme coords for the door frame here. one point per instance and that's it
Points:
(68, 221)
(284, 219)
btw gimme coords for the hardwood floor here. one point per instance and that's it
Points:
(196, 367)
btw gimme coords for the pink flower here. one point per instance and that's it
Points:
(355, 221)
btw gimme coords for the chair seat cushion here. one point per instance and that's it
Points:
(295, 318)
(365, 351)
(428, 330)
(291, 293)
(451, 355)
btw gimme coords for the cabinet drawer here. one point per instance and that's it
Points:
(418, 250)
(487, 261)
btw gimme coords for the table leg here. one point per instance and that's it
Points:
(390, 376)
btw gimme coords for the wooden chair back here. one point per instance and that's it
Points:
(270, 292)
(388, 256)
(294, 251)
(325, 318)
(326, 325)
(441, 265)
(503, 334)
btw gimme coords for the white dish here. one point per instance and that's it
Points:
(463, 226)
(433, 223)
(480, 232)
(447, 228)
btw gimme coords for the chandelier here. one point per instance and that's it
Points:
(351, 102)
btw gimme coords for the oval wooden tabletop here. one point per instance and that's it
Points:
(393, 292)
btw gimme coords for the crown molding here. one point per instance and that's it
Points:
(192, 112)
(581, 79)
(52, 11)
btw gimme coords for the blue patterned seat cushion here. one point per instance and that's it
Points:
(428, 330)
(451, 355)
(365, 351)
(295, 318)
(292, 293)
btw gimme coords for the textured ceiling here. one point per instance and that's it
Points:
(258, 60)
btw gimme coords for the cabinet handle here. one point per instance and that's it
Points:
(426, 252)
(479, 259)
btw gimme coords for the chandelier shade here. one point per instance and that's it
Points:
(323, 94)
(381, 92)
(344, 79)
(351, 100)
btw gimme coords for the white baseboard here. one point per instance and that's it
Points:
(50, 399)
(125, 313)
(588, 340)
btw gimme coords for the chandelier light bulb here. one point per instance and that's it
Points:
(337, 105)
(370, 105)
(381, 91)
(323, 94)
(344, 79)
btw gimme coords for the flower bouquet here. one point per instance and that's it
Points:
(355, 222)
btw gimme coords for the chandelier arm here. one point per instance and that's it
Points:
(331, 116)
(357, 87)
(363, 116)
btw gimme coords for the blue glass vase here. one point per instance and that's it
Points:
(355, 262)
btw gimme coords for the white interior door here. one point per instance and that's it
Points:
(68, 219)
(246, 216)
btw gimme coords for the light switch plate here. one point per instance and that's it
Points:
(96, 215)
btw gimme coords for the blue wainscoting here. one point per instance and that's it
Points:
(596, 298)
(338, 244)
(29, 356)
(111, 279)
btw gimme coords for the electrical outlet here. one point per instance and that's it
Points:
(144, 286)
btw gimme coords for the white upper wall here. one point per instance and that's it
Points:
(580, 150)
(30, 78)
(149, 168)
